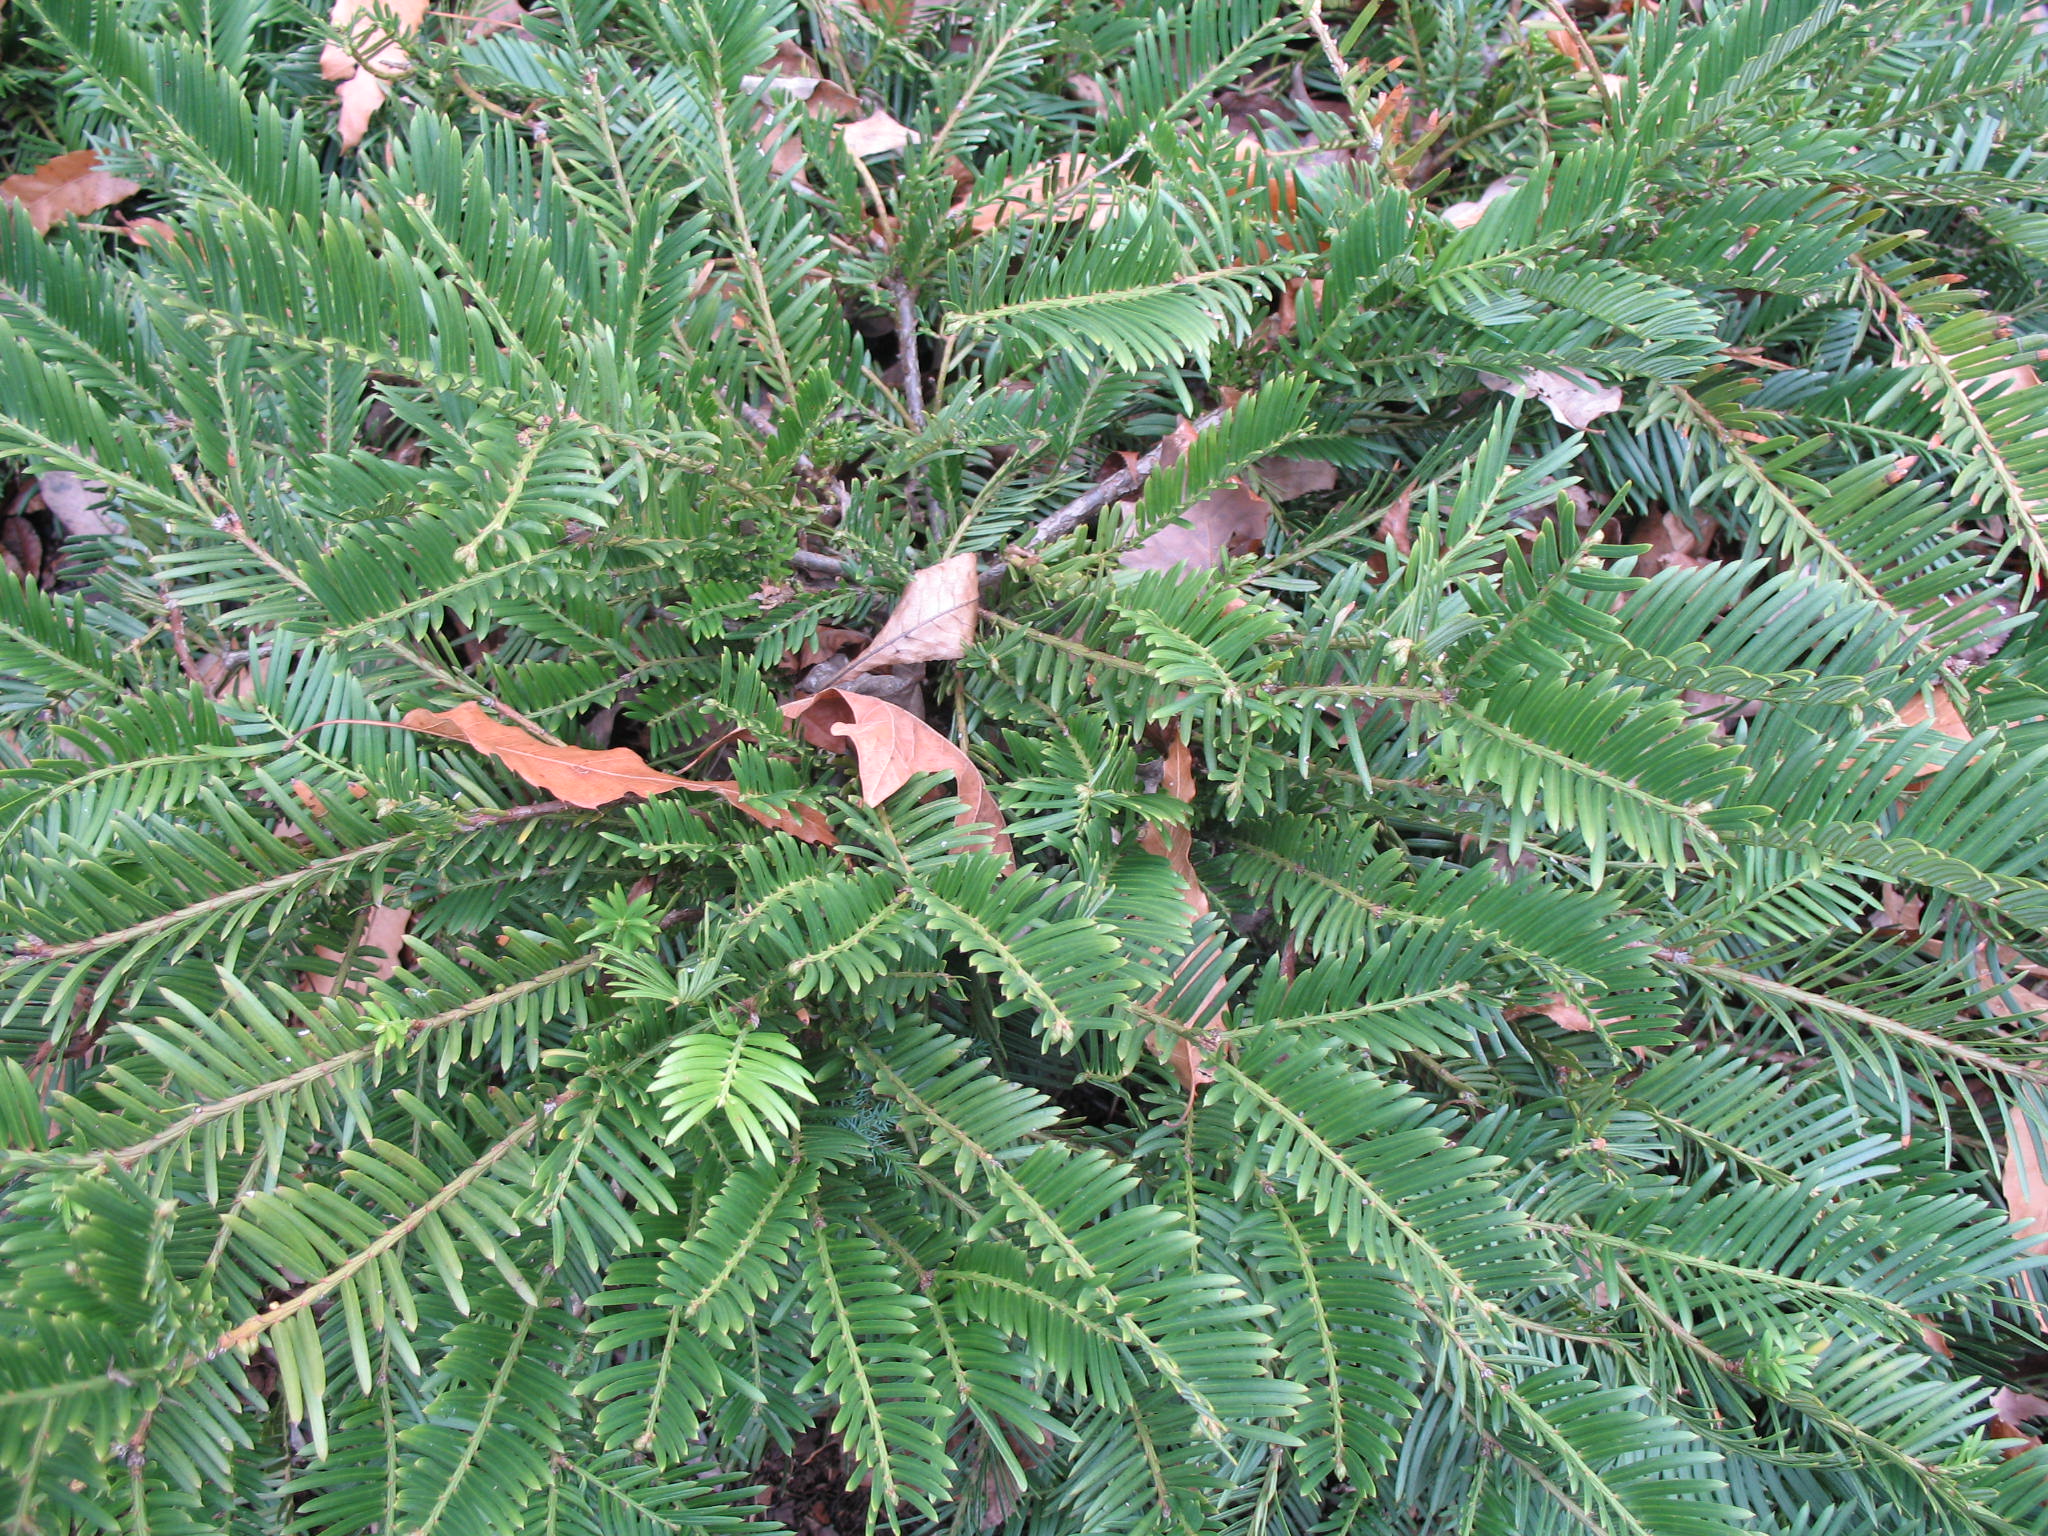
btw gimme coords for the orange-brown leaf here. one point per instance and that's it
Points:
(890, 747)
(575, 774)
(1187, 1055)
(69, 185)
(590, 779)
(932, 621)
(1560, 1010)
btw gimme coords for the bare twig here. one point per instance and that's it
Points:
(906, 342)
(817, 565)
(1119, 485)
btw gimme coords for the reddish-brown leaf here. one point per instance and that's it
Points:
(891, 746)
(1187, 1054)
(2015, 1408)
(70, 185)
(591, 779)
(932, 621)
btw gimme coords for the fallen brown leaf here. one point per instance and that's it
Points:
(367, 58)
(1285, 479)
(1060, 189)
(2025, 1180)
(1560, 1010)
(1572, 398)
(1896, 911)
(1233, 521)
(591, 779)
(1465, 215)
(1189, 1053)
(2014, 1408)
(1935, 1340)
(70, 185)
(829, 641)
(1946, 718)
(1394, 525)
(79, 505)
(890, 747)
(382, 932)
(932, 621)
(489, 16)
(2004, 999)
(1673, 544)
(876, 134)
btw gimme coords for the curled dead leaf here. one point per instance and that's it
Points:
(933, 620)
(1560, 1010)
(69, 186)
(890, 747)
(590, 779)
(1673, 542)
(1571, 397)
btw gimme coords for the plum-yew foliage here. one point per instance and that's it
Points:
(1507, 1007)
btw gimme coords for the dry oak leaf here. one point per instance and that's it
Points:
(591, 779)
(383, 932)
(369, 58)
(1233, 521)
(69, 185)
(891, 746)
(932, 621)
(1573, 399)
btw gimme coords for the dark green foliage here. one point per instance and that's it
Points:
(1572, 1152)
